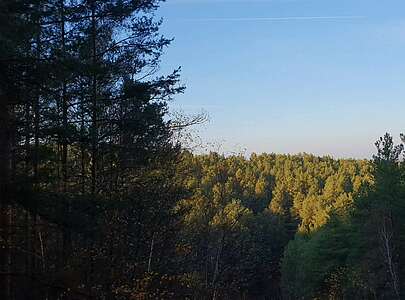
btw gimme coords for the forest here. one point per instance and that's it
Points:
(100, 199)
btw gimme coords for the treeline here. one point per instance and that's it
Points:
(241, 214)
(357, 254)
(293, 226)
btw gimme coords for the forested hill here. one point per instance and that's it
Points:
(294, 226)
(241, 213)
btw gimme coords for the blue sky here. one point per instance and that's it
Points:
(287, 76)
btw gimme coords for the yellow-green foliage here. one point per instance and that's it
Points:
(240, 212)
(303, 187)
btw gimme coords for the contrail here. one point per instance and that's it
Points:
(273, 19)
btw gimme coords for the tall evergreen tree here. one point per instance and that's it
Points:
(84, 139)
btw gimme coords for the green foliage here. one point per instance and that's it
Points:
(357, 252)
(88, 152)
(240, 214)
(100, 203)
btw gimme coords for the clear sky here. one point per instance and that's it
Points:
(289, 76)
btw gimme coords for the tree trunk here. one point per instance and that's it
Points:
(5, 168)
(386, 238)
(152, 243)
(94, 156)
(216, 270)
(5, 148)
